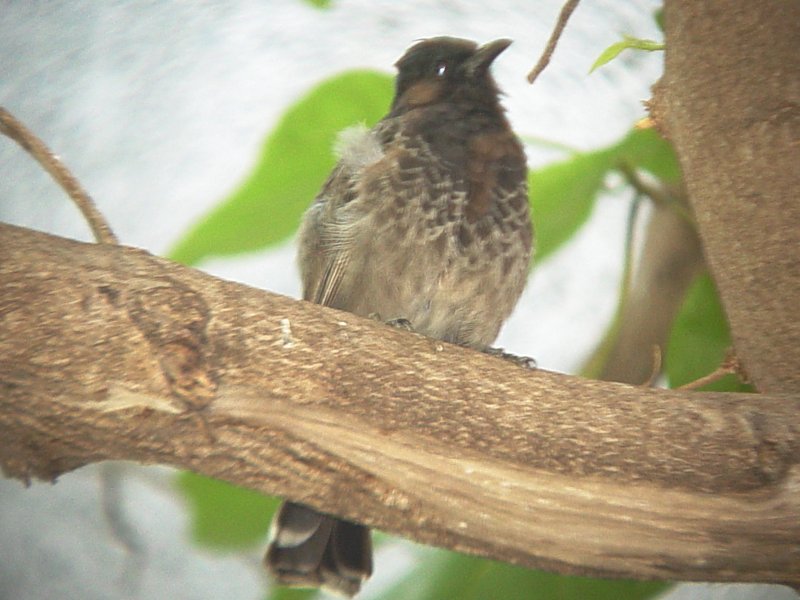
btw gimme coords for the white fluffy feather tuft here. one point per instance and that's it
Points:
(357, 147)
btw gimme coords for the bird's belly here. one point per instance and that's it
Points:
(444, 291)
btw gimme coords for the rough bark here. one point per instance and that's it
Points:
(110, 353)
(729, 101)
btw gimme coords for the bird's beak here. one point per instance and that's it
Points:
(485, 55)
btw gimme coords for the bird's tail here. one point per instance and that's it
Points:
(310, 549)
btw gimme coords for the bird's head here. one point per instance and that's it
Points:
(446, 69)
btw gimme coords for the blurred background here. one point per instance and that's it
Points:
(161, 111)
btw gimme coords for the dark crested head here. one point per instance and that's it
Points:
(443, 69)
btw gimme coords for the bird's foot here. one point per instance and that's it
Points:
(400, 323)
(526, 362)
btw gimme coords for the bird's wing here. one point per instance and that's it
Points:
(336, 265)
(327, 235)
(326, 240)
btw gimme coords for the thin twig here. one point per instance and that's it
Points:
(657, 364)
(730, 366)
(121, 529)
(16, 130)
(563, 17)
(599, 358)
(715, 375)
(658, 194)
(628, 259)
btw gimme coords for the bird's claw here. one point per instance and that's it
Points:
(400, 323)
(526, 362)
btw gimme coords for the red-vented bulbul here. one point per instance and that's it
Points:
(424, 218)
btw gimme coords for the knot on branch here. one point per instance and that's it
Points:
(174, 319)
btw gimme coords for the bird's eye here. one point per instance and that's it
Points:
(441, 69)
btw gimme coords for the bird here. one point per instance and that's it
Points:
(423, 220)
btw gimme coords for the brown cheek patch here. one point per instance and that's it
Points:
(422, 93)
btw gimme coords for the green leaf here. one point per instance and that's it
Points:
(699, 339)
(610, 53)
(658, 16)
(223, 516)
(319, 3)
(646, 149)
(450, 575)
(563, 194)
(280, 592)
(295, 160)
(562, 197)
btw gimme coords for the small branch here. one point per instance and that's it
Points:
(670, 259)
(730, 366)
(659, 194)
(657, 364)
(16, 130)
(111, 353)
(715, 375)
(544, 60)
(630, 249)
(121, 530)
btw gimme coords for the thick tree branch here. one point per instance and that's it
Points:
(730, 103)
(110, 353)
(670, 259)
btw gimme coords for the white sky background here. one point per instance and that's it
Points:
(160, 109)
